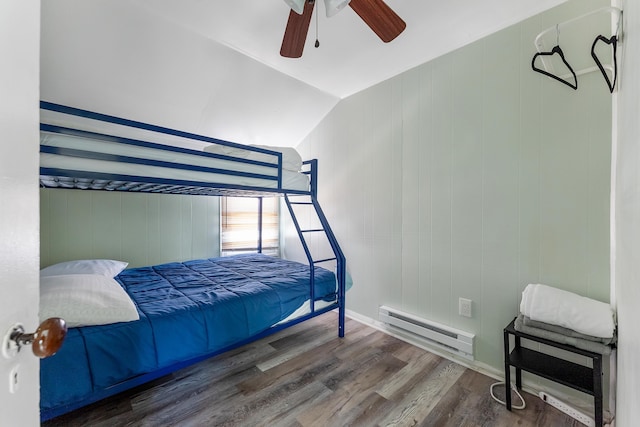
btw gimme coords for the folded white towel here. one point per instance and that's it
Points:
(558, 307)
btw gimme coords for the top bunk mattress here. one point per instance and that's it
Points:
(94, 153)
(110, 169)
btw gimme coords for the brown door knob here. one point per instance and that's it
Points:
(46, 340)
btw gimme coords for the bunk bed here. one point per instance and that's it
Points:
(184, 312)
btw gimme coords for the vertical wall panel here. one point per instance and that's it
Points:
(170, 221)
(597, 183)
(424, 192)
(154, 229)
(106, 214)
(501, 117)
(365, 196)
(387, 134)
(598, 179)
(204, 236)
(439, 184)
(466, 203)
(59, 228)
(393, 246)
(529, 239)
(79, 235)
(135, 238)
(411, 213)
(186, 224)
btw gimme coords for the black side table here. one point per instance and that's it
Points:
(579, 377)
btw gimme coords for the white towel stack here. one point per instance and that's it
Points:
(554, 306)
(567, 318)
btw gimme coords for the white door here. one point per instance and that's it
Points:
(19, 206)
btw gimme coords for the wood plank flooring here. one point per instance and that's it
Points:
(307, 376)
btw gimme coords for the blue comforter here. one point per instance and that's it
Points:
(186, 310)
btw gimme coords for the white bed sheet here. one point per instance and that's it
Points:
(305, 308)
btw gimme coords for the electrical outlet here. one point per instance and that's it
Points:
(464, 307)
(572, 412)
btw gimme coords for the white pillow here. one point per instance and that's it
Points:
(291, 159)
(104, 267)
(85, 299)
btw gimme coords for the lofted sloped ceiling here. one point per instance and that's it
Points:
(213, 67)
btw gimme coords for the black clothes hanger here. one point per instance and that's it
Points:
(556, 50)
(613, 41)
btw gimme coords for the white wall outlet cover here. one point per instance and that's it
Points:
(464, 307)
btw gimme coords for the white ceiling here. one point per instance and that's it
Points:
(213, 67)
(350, 57)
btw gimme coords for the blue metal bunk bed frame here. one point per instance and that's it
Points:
(172, 186)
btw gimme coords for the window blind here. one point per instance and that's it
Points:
(240, 225)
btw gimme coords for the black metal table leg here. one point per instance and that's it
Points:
(507, 372)
(597, 390)
(518, 370)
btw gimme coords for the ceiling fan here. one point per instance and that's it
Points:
(375, 13)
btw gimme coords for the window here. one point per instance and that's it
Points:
(240, 225)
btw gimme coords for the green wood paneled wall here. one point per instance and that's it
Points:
(471, 176)
(142, 229)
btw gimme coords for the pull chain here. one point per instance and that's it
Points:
(317, 42)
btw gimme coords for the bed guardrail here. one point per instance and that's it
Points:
(268, 178)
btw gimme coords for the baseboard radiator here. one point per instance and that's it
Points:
(441, 336)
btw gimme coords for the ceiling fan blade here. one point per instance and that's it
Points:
(380, 18)
(295, 34)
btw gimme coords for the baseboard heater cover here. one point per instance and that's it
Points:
(441, 336)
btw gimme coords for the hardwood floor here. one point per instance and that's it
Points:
(307, 376)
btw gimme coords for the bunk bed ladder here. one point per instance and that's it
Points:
(325, 229)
